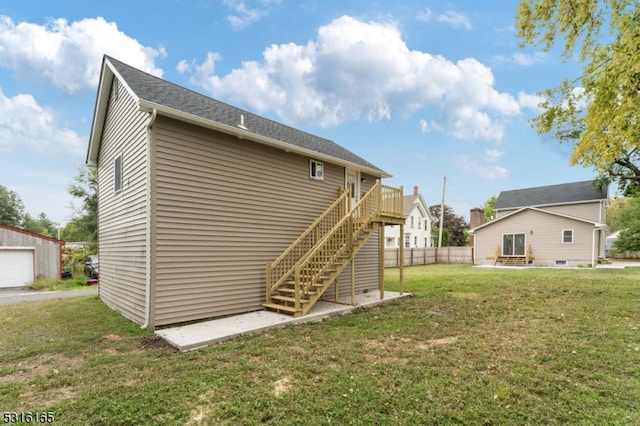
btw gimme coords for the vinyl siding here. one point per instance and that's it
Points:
(122, 215)
(543, 232)
(224, 208)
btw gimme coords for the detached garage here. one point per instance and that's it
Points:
(24, 256)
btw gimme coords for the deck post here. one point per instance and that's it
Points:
(401, 283)
(381, 261)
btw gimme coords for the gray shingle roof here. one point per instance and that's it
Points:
(158, 91)
(574, 192)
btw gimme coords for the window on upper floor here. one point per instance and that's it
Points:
(316, 170)
(411, 222)
(117, 173)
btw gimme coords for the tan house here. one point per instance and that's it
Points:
(207, 210)
(556, 225)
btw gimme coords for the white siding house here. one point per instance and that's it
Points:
(417, 227)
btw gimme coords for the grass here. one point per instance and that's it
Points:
(50, 284)
(473, 346)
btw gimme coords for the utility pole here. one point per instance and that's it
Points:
(444, 185)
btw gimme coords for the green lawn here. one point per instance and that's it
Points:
(473, 346)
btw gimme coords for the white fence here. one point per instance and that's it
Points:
(426, 256)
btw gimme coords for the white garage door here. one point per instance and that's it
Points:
(16, 267)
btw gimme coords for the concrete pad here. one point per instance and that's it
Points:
(201, 334)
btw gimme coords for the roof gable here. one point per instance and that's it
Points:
(567, 193)
(409, 202)
(523, 209)
(172, 100)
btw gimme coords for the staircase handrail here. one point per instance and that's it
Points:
(341, 236)
(284, 265)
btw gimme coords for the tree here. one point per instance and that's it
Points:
(455, 225)
(629, 220)
(489, 208)
(85, 187)
(597, 112)
(614, 213)
(11, 208)
(34, 225)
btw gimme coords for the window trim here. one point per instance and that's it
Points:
(316, 172)
(117, 173)
(573, 236)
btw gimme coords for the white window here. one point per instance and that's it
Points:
(117, 174)
(411, 222)
(567, 235)
(513, 244)
(419, 222)
(316, 170)
(407, 241)
(415, 241)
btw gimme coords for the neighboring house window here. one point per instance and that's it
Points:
(426, 244)
(411, 222)
(513, 244)
(415, 241)
(419, 222)
(316, 170)
(407, 241)
(567, 235)
(117, 173)
(425, 225)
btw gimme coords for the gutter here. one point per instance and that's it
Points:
(152, 120)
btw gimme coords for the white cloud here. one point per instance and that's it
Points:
(471, 166)
(528, 101)
(424, 126)
(522, 59)
(341, 76)
(451, 18)
(24, 123)
(69, 55)
(243, 15)
(456, 20)
(492, 155)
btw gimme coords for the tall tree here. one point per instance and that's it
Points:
(85, 187)
(597, 112)
(11, 208)
(629, 219)
(489, 208)
(454, 224)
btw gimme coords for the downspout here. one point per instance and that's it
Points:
(593, 247)
(152, 119)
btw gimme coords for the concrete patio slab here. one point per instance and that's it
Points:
(201, 334)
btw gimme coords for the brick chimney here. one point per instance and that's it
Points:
(476, 218)
(415, 190)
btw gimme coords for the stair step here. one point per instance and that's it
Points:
(277, 307)
(289, 299)
(293, 290)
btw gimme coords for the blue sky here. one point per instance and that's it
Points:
(422, 89)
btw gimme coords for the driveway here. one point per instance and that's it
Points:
(17, 295)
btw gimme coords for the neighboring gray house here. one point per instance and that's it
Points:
(555, 225)
(25, 256)
(417, 226)
(197, 197)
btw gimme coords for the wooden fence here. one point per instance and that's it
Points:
(427, 256)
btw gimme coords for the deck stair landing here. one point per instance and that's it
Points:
(304, 272)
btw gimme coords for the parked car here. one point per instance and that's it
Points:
(92, 267)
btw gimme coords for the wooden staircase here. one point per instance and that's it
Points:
(302, 274)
